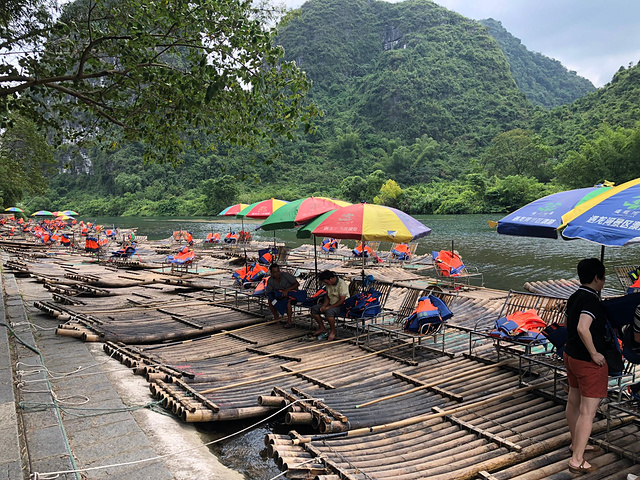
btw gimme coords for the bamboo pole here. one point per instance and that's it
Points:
(429, 416)
(295, 372)
(280, 352)
(431, 384)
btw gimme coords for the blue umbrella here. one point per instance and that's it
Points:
(612, 219)
(542, 217)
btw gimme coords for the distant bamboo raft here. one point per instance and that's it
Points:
(564, 288)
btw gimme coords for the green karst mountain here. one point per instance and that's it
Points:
(545, 81)
(424, 109)
(405, 70)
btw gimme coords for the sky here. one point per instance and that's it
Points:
(593, 37)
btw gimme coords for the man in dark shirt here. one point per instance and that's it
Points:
(583, 357)
(279, 285)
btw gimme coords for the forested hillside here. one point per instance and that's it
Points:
(545, 81)
(423, 109)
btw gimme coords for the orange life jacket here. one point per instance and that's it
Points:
(358, 250)
(449, 264)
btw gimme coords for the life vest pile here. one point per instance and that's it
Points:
(315, 298)
(448, 263)
(521, 326)
(212, 238)
(91, 245)
(267, 256)
(231, 237)
(426, 319)
(635, 278)
(124, 252)
(362, 305)
(250, 273)
(261, 288)
(329, 245)
(183, 257)
(401, 252)
(358, 251)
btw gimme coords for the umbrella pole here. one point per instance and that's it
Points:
(363, 263)
(315, 259)
(244, 245)
(452, 244)
(602, 253)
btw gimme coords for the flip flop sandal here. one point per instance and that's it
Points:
(323, 336)
(287, 325)
(582, 469)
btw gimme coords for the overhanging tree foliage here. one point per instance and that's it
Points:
(26, 160)
(168, 73)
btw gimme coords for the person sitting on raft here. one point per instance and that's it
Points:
(279, 285)
(337, 293)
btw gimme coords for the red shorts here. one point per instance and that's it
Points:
(589, 378)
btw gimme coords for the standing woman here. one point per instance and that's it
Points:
(587, 370)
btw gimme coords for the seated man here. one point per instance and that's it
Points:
(337, 293)
(278, 288)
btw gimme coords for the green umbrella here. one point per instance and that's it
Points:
(305, 232)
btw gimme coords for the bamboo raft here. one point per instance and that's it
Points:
(458, 406)
(564, 288)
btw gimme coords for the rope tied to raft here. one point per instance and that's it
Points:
(32, 325)
(47, 475)
(55, 375)
(43, 476)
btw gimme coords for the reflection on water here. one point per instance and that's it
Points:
(506, 262)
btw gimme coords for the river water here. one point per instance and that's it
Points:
(506, 262)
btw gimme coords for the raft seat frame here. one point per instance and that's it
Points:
(549, 309)
(622, 272)
(395, 329)
(354, 288)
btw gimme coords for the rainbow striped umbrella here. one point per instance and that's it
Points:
(369, 222)
(300, 212)
(261, 209)
(233, 210)
(13, 209)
